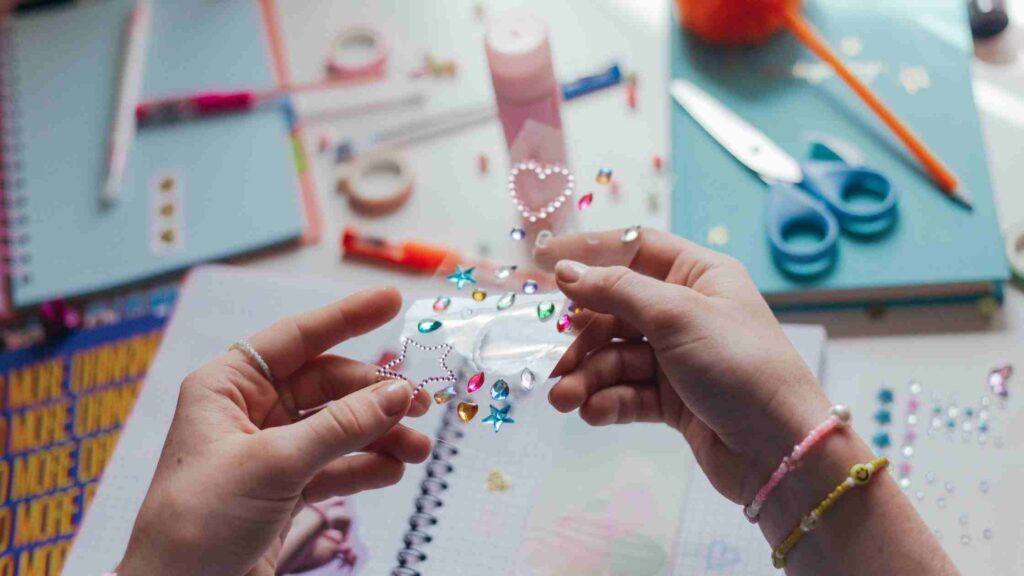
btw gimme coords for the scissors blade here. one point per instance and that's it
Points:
(748, 144)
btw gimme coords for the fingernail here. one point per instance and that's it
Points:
(543, 237)
(393, 397)
(569, 271)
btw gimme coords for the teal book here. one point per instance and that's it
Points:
(915, 56)
(192, 192)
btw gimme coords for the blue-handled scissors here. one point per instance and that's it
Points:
(812, 195)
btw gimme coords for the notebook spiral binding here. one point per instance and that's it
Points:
(432, 487)
(14, 239)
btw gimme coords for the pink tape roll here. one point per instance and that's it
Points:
(351, 38)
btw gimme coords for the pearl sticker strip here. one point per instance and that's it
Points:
(542, 172)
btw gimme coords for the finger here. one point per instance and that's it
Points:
(290, 343)
(622, 404)
(353, 474)
(402, 443)
(615, 364)
(343, 426)
(330, 377)
(656, 251)
(648, 304)
(598, 332)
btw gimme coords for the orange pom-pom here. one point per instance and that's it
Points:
(734, 22)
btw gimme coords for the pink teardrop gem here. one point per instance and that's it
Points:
(585, 201)
(564, 322)
(475, 382)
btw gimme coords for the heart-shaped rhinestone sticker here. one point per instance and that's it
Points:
(542, 172)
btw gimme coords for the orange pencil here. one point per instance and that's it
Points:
(942, 176)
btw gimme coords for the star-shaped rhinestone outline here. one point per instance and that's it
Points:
(386, 371)
(460, 277)
(498, 416)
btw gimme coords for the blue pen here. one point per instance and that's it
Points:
(590, 84)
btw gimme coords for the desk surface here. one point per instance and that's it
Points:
(602, 131)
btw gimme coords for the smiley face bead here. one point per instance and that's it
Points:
(861, 473)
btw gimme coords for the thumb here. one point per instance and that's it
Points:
(348, 424)
(644, 302)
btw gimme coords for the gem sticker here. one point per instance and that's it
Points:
(545, 310)
(564, 323)
(915, 79)
(445, 394)
(500, 390)
(442, 303)
(851, 46)
(475, 382)
(504, 272)
(479, 295)
(428, 326)
(461, 277)
(604, 176)
(388, 370)
(998, 379)
(585, 201)
(497, 482)
(883, 416)
(517, 233)
(631, 234)
(506, 301)
(542, 173)
(718, 236)
(166, 221)
(496, 418)
(527, 379)
(467, 411)
(530, 287)
(885, 396)
(881, 440)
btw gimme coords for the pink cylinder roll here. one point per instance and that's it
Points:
(525, 87)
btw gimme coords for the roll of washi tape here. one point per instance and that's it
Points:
(389, 163)
(1015, 250)
(357, 52)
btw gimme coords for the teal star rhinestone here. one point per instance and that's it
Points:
(498, 416)
(461, 277)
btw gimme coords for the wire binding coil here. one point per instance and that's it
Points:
(430, 499)
(14, 255)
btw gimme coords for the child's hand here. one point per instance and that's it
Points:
(684, 337)
(235, 468)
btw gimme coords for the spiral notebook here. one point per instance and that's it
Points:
(546, 496)
(193, 191)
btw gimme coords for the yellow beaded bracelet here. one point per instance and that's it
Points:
(860, 474)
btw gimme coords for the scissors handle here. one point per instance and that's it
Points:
(789, 209)
(832, 181)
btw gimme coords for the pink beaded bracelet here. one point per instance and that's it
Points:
(838, 417)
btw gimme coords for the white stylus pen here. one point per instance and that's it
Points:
(129, 88)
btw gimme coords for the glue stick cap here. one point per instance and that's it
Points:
(519, 55)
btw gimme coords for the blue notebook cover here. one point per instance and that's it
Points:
(916, 57)
(192, 192)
